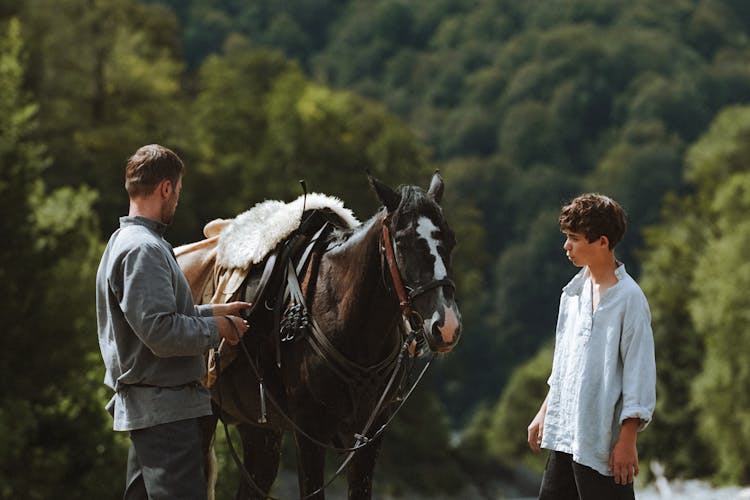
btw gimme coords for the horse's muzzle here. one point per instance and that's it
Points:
(444, 329)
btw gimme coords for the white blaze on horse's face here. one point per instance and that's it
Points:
(425, 228)
(446, 323)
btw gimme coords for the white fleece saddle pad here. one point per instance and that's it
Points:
(252, 235)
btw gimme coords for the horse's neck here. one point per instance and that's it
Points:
(365, 310)
(356, 267)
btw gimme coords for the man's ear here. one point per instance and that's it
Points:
(604, 241)
(165, 188)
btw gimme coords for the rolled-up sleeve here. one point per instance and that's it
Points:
(148, 302)
(639, 365)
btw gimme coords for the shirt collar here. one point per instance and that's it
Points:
(138, 220)
(575, 285)
(620, 272)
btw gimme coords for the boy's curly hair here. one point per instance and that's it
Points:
(594, 215)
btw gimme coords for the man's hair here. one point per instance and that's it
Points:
(149, 166)
(594, 215)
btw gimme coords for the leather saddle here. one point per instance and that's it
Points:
(277, 290)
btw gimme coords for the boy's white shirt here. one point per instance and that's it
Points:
(603, 371)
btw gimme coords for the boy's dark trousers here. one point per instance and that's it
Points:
(565, 479)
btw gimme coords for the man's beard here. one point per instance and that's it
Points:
(167, 212)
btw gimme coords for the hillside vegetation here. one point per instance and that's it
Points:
(521, 105)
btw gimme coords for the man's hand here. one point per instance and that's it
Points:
(232, 308)
(623, 461)
(232, 328)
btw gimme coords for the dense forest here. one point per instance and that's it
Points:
(521, 105)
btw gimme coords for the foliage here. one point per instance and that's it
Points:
(418, 461)
(520, 401)
(107, 81)
(695, 275)
(519, 104)
(50, 382)
(260, 122)
(719, 305)
(673, 248)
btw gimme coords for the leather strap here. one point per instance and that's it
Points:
(419, 290)
(398, 284)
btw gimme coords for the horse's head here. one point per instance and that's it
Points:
(422, 244)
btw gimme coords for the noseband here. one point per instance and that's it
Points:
(405, 298)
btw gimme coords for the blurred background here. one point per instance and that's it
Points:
(521, 105)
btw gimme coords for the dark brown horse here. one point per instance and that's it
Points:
(327, 394)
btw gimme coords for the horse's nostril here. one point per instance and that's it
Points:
(436, 330)
(446, 334)
(449, 330)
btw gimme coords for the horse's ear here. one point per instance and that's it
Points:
(387, 196)
(436, 187)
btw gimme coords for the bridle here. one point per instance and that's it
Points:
(413, 318)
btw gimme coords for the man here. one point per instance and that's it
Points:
(152, 337)
(603, 382)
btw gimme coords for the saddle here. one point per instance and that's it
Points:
(215, 276)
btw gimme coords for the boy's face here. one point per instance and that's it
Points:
(581, 252)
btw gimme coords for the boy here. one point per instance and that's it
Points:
(602, 389)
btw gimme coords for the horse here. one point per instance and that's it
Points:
(363, 288)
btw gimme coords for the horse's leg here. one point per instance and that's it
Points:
(207, 427)
(360, 471)
(261, 451)
(310, 464)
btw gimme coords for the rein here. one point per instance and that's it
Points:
(361, 439)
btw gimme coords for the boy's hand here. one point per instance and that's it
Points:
(536, 427)
(623, 461)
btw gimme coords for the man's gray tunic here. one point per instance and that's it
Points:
(151, 335)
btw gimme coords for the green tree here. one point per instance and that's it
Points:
(718, 165)
(502, 435)
(409, 457)
(672, 250)
(260, 125)
(51, 416)
(106, 75)
(637, 171)
(695, 275)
